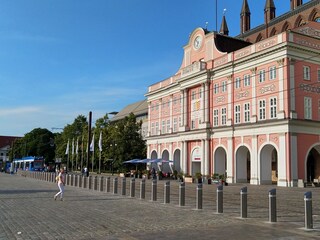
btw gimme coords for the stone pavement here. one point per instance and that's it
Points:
(28, 211)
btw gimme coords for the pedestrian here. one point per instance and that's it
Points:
(61, 184)
(153, 173)
(86, 172)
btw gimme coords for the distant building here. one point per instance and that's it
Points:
(246, 107)
(140, 110)
(5, 145)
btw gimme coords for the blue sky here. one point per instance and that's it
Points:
(63, 58)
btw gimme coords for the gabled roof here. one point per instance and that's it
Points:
(138, 109)
(7, 140)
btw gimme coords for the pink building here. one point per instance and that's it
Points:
(245, 106)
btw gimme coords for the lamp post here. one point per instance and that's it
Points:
(113, 145)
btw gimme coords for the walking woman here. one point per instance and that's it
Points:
(61, 183)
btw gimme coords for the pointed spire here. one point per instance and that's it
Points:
(269, 11)
(295, 3)
(224, 30)
(245, 17)
(245, 7)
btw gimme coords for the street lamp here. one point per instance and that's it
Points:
(113, 145)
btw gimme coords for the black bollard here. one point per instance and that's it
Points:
(308, 221)
(115, 185)
(108, 184)
(182, 194)
(154, 190)
(167, 192)
(199, 196)
(272, 205)
(124, 185)
(220, 199)
(143, 189)
(132, 187)
(244, 202)
(101, 184)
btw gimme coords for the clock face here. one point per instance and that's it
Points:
(197, 42)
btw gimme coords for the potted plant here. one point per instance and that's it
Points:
(198, 177)
(180, 176)
(215, 178)
(187, 178)
(159, 175)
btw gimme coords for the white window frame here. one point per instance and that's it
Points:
(224, 86)
(308, 108)
(247, 112)
(157, 128)
(175, 125)
(163, 127)
(262, 76)
(262, 109)
(273, 108)
(152, 129)
(237, 114)
(193, 95)
(272, 73)
(215, 117)
(306, 73)
(223, 116)
(246, 80)
(237, 82)
(168, 126)
(318, 74)
(216, 88)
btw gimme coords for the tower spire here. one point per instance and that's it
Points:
(245, 17)
(224, 30)
(269, 11)
(295, 3)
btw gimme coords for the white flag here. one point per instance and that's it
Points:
(100, 142)
(92, 144)
(72, 150)
(77, 146)
(67, 150)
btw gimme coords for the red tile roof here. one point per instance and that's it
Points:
(7, 140)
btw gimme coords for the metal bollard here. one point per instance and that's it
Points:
(143, 189)
(108, 184)
(95, 183)
(75, 181)
(154, 190)
(101, 184)
(272, 205)
(308, 221)
(132, 187)
(199, 196)
(89, 182)
(182, 194)
(84, 182)
(220, 199)
(244, 202)
(78, 181)
(115, 185)
(124, 184)
(71, 179)
(167, 192)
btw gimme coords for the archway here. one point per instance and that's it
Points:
(268, 165)
(176, 160)
(154, 155)
(313, 164)
(243, 165)
(165, 166)
(196, 161)
(220, 161)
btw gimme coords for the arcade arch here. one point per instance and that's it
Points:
(243, 165)
(268, 165)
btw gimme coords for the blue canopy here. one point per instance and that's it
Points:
(133, 161)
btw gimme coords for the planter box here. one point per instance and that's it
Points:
(188, 179)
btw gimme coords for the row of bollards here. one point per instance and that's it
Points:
(92, 183)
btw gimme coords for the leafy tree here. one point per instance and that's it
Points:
(38, 142)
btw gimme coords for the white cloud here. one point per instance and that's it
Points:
(18, 111)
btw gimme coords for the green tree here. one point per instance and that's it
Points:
(39, 142)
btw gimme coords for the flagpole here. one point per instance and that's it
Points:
(89, 138)
(100, 163)
(81, 165)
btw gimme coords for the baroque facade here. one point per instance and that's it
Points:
(245, 106)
